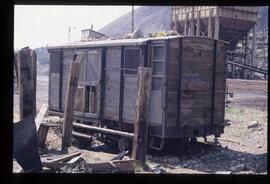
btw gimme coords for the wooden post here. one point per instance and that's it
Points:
(210, 25)
(142, 112)
(185, 27)
(192, 22)
(42, 131)
(245, 62)
(27, 82)
(216, 35)
(253, 51)
(16, 65)
(69, 103)
(191, 27)
(198, 29)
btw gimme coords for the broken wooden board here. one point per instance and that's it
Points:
(42, 135)
(43, 132)
(58, 158)
(117, 166)
(120, 155)
(40, 116)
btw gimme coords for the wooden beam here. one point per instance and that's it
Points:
(142, 113)
(59, 158)
(16, 65)
(191, 27)
(42, 135)
(253, 51)
(209, 30)
(27, 82)
(119, 166)
(185, 27)
(216, 34)
(248, 67)
(70, 102)
(40, 116)
(198, 29)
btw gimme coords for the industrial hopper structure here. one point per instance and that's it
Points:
(229, 23)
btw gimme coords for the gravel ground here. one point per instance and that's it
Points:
(242, 148)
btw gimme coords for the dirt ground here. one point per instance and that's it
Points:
(242, 148)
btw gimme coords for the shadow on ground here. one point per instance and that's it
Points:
(212, 158)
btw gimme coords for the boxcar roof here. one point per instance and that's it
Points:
(118, 42)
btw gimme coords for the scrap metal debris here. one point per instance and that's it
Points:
(25, 145)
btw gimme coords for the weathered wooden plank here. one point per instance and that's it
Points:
(27, 82)
(115, 166)
(130, 94)
(111, 112)
(70, 101)
(58, 158)
(112, 87)
(189, 103)
(54, 91)
(42, 135)
(40, 116)
(142, 114)
(79, 99)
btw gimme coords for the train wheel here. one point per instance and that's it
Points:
(193, 140)
(124, 144)
(183, 145)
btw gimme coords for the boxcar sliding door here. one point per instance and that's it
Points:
(158, 65)
(132, 60)
(88, 94)
(54, 78)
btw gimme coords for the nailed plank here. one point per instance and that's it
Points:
(59, 158)
(27, 82)
(70, 103)
(142, 112)
(119, 166)
(42, 135)
(40, 116)
(51, 124)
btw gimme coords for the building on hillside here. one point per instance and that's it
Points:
(89, 34)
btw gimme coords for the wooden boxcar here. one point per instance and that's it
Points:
(188, 84)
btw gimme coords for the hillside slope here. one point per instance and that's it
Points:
(147, 18)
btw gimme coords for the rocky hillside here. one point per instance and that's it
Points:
(147, 18)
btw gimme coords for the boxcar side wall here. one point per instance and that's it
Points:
(187, 95)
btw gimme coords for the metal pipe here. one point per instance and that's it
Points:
(77, 134)
(253, 50)
(104, 130)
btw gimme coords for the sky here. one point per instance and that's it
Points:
(40, 25)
